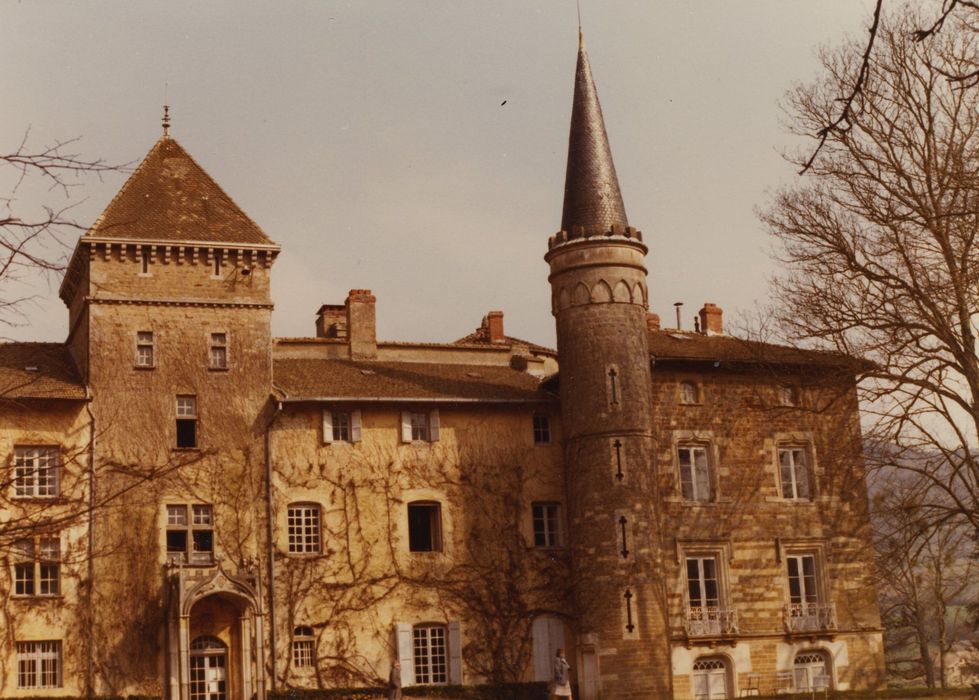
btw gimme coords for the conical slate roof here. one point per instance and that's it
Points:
(169, 197)
(591, 189)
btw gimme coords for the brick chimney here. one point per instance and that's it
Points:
(331, 321)
(493, 323)
(652, 322)
(361, 324)
(711, 320)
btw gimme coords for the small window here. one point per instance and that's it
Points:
(304, 528)
(788, 396)
(186, 421)
(689, 394)
(695, 472)
(216, 270)
(793, 466)
(39, 664)
(429, 647)
(303, 647)
(37, 566)
(547, 524)
(145, 349)
(542, 429)
(144, 260)
(420, 427)
(218, 352)
(190, 533)
(424, 526)
(341, 426)
(36, 472)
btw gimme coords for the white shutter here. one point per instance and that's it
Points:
(433, 425)
(455, 653)
(405, 426)
(327, 426)
(404, 646)
(355, 426)
(542, 649)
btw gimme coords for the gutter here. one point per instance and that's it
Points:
(412, 399)
(270, 538)
(90, 641)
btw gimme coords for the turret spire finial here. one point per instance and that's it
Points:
(166, 121)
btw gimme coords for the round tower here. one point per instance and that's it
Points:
(599, 300)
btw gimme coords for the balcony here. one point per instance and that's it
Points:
(810, 617)
(710, 622)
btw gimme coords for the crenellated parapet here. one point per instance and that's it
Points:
(581, 233)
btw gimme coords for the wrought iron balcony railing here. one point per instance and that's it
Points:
(710, 621)
(810, 617)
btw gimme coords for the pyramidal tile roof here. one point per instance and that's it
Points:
(592, 198)
(169, 197)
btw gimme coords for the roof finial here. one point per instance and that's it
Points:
(166, 121)
(581, 35)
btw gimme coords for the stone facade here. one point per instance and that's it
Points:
(195, 509)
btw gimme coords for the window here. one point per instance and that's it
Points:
(216, 271)
(689, 393)
(304, 528)
(38, 664)
(36, 472)
(186, 421)
(695, 476)
(811, 672)
(547, 524)
(702, 585)
(424, 526)
(208, 669)
(542, 429)
(802, 579)
(341, 426)
(303, 647)
(788, 396)
(144, 260)
(190, 539)
(145, 349)
(420, 427)
(37, 566)
(710, 679)
(218, 353)
(431, 659)
(794, 471)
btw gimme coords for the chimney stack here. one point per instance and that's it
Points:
(362, 324)
(493, 323)
(711, 320)
(331, 321)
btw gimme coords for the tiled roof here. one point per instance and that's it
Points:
(170, 198)
(371, 380)
(679, 345)
(38, 371)
(481, 337)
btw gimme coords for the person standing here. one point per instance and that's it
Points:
(561, 683)
(394, 681)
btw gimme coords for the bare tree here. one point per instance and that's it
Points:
(879, 242)
(35, 239)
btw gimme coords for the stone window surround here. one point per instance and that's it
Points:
(804, 439)
(698, 388)
(723, 552)
(706, 438)
(799, 546)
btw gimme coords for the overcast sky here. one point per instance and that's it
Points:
(371, 140)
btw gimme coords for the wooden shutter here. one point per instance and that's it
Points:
(405, 426)
(542, 649)
(355, 426)
(455, 652)
(433, 425)
(404, 645)
(327, 426)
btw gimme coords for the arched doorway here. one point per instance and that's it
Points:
(208, 669)
(812, 671)
(711, 679)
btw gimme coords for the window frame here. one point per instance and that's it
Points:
(213, 345)
(788, 396)
(435, 532)
(142, 343)
(191, 419)
(335, 431)
(809, 594)
(29, 478)
(193, 523)
(410, 426)
(37, 559)
(298, 543)
(697, 393)
(718, 580)
(805, 449)
(34, 653)
(552, 528)
(427, 670)
(541, 425)
(303, 651)
(708, 450)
